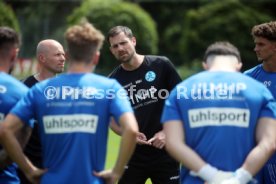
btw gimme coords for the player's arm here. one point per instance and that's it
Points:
(178, 149)
(129, 128)
(141, 138)
(115, 127)
(266, 146)
(175, 145)
(8, 129)
(22, 136)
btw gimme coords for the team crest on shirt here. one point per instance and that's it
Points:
(150, 76)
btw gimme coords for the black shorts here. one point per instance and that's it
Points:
(160, 172)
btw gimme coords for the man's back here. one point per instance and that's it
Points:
(220, 113)
(73, 112)
(11, 91)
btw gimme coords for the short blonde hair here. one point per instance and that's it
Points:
(83, 41)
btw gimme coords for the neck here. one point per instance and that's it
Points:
(4, 66)
(223, 64)
(3, 69)
(40, 76)
(269, 66)
(134, 63)
(80, 68)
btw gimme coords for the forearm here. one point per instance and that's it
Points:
(257, 158)
(115, 127)
(127, 146)
(14, 150)
(191, 160)
(4, 159)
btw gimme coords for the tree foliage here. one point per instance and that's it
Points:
(8, 17)
(220, 20)
(104, 14)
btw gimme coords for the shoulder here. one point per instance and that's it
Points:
(157, 59)
(253, 71)
(30, 81)
(14, 85)
(115, 72)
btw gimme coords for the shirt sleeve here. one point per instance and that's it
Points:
(24, 109)
(269, 105)
(171, 110)
(119, 102)
(172, 76)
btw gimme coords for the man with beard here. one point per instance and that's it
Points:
(148, 80)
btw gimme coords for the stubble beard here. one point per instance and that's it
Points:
(127, 60)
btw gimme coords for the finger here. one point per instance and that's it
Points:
(98, 174)
(151, 140)
(141, 142)
(159, 144)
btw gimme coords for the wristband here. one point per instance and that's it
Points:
(207, 172)
(243, 175)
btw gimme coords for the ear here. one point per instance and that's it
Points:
(133, 40)
(14, 53)
(95, 59)
(41, 58)
(239, 66)
(205, 65)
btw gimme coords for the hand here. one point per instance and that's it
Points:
(241, 176)
(109, 176)
(141, 139)
(158, 140)
(221, 176)
(35, 175)
(231, 181)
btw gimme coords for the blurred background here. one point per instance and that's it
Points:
(178, 29)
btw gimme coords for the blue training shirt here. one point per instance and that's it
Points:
(269, 80)
(219, 112)
(73, 113)
(11, 91)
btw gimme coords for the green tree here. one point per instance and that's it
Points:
(8, 17)
(220, 20)
(105, 14)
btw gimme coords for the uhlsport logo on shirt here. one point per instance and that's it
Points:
(58, 124)
(219, 117)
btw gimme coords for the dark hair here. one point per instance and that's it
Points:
(265, 30)
(8, 38)
(222, 48)
(83, 41)
(117, 30)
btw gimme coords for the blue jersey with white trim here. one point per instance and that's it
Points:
(219, 112)
(11, 91)
(269, 80)
(73, 113)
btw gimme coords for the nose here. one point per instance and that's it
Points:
(256, 48)
(63, 57)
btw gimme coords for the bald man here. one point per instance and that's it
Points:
(51, 58)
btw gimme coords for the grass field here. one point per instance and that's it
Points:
(112, 150)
